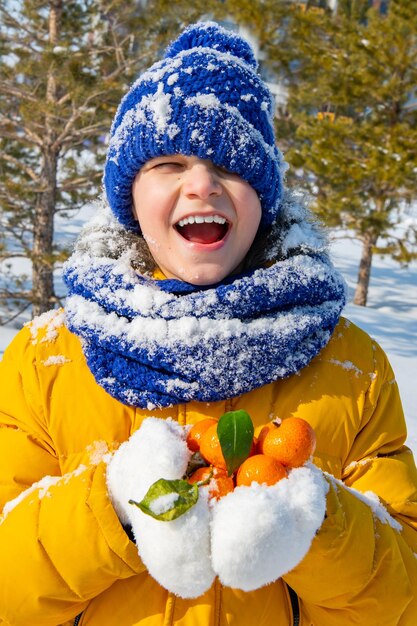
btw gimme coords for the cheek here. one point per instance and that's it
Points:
(251, 213)
(150, 220)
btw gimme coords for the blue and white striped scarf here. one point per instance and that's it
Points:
(155, 343)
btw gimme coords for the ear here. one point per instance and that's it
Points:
(134, 208)
(134, 212)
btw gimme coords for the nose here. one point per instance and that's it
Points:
(201, 181)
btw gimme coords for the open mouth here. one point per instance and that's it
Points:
(205, 230)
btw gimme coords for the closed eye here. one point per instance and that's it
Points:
(168, 163)
(225, 172)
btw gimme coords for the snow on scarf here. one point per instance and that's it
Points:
(155, 343)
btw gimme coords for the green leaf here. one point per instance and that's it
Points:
(168, 499)
(235, 432)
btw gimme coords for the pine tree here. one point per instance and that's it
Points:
(64, 67)
(348, 126)
(61, 68)
(353, 114)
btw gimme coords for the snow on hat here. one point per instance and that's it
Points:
(204, 99)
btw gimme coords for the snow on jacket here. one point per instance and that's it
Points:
(64, 552)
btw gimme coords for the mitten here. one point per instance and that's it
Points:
(156, 450)
(260, 533)
(176, 553)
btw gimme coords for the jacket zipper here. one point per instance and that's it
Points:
(295, 606)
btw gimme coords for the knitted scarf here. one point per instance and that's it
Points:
(155, 343)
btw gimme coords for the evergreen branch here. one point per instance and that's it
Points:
(10, 89)
(18, 43)
(79, 182)
(77, 137)
(64, 99)
(21, 133)
(73, 137)
(19, 163)
(18, 232)
(4, 256)
(17, 296)
(121, 70)
(66, 133)
(13, 22)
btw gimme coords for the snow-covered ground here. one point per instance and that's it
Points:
(390, 317)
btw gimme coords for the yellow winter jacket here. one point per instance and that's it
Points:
(63, 551)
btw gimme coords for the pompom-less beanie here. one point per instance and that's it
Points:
(204, 99)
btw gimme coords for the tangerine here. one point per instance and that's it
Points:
(291, 443)
(210, 448)
(254, 447)
(219, 485)
(263, 433)
(261, 469)
(197, 431)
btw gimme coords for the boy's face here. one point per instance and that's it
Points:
(198, 219)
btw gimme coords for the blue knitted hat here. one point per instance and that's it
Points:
(205, 99)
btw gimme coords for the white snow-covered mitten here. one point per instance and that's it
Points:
(176, 553)
(158, 449)
(260, 533)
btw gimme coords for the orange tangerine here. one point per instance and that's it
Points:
(220, 483)
(291, 443)
(197, 431)
(261, 469)
(254, 447)
(263, 433)
(210, 448)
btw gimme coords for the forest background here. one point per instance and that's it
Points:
(344, 74)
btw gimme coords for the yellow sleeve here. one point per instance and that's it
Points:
(61, 542)
(362, 566)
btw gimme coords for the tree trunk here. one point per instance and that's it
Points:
(43, 235)
(364, 274)
(43, 231)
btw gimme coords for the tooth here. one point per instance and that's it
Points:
(191, 219)
(181, 223)
(209, 219)
(199, 219)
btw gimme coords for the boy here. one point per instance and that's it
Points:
(202, 288)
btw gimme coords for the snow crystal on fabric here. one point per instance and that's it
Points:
(56, 359)
(42, 488)
(44, 328)
(347, 365)
(98, 451)
(372, 500)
